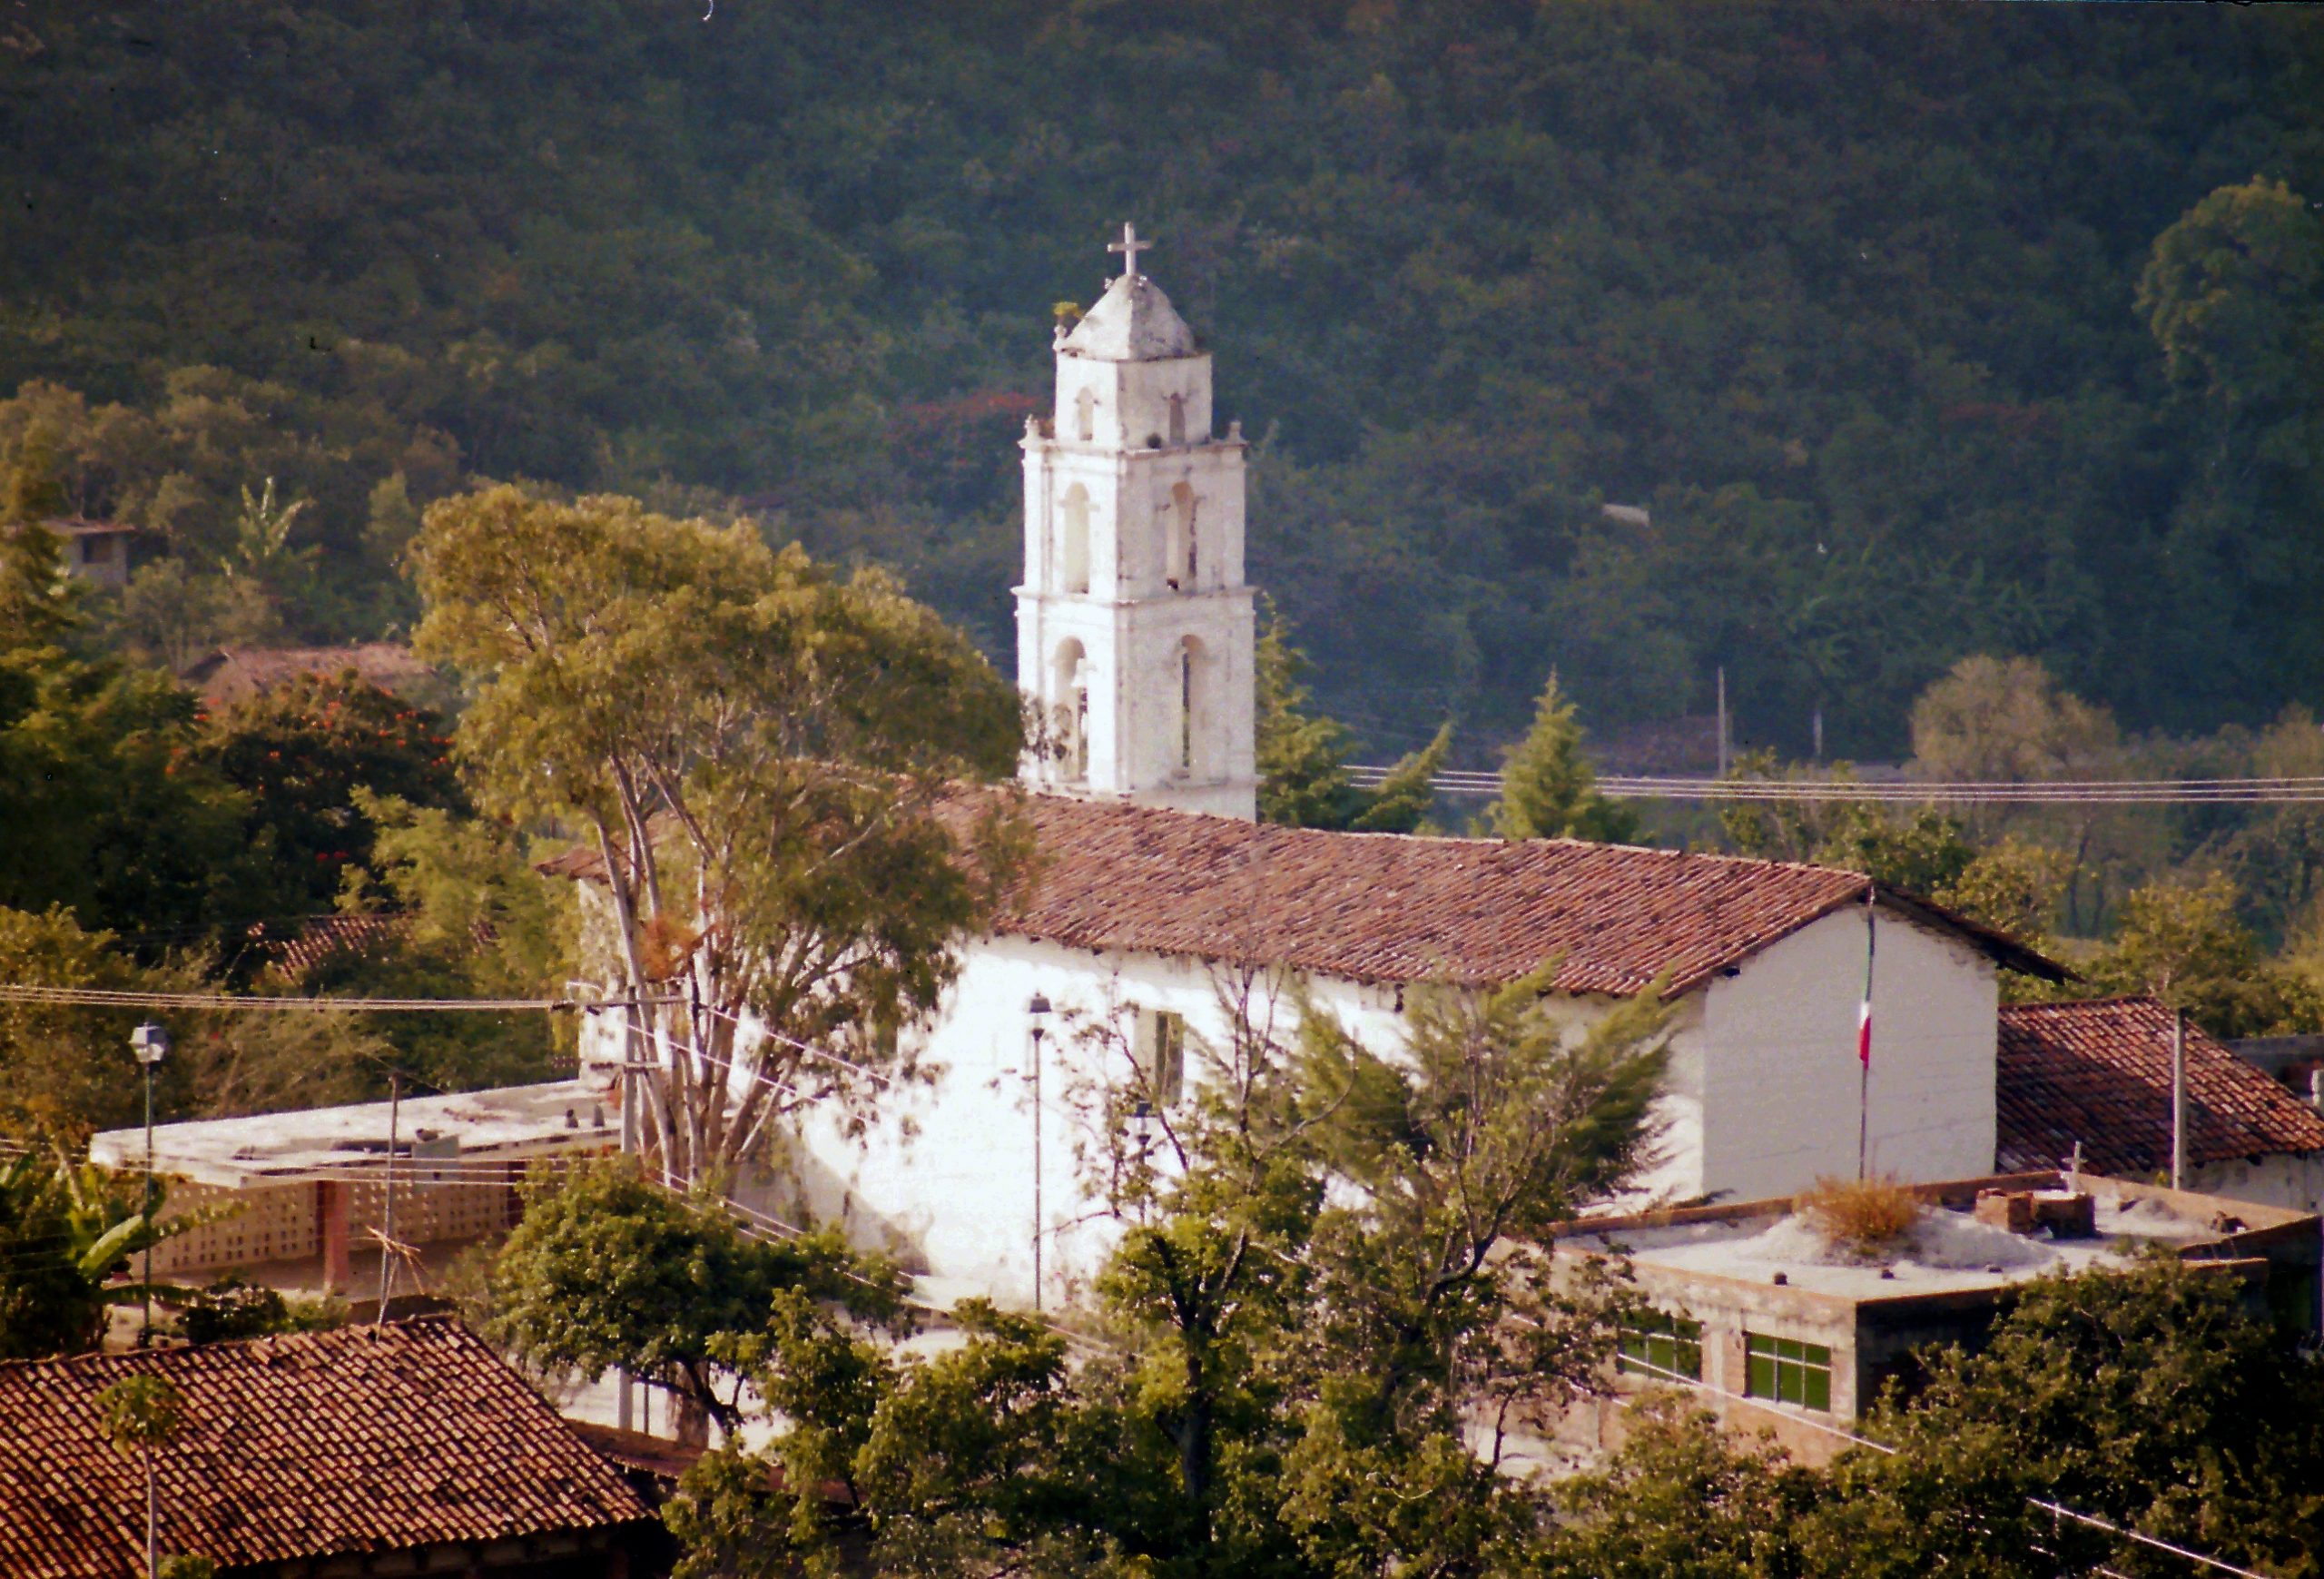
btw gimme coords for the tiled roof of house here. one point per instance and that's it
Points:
(360, 1440)
(2099, 1072)
(1388, 907)
(235, 674)
(305, 944)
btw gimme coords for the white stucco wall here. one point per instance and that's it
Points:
(2296, 1182)
(1760, 1097)
(943, 1178)
(1780, 1078)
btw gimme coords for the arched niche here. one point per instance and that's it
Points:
(1085, 416)
(1069, 709)
(1196, 687)
(1181, 540)
(1073, 540)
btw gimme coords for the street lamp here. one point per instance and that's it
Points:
(150, 1044)
(1038, 1012)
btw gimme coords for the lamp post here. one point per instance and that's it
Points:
(151, 1044)
(1038, 1011)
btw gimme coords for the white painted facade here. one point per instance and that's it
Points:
(1135, 628)
(2280, 1179)
(1760, 1096)
(1780, 1095)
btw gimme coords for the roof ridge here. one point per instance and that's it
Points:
(312, 1337)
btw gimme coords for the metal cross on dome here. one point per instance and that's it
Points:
(1130, 247)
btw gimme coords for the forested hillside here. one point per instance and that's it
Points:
(1848, 294)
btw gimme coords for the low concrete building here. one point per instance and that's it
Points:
(98, 552)
(1774, 1330)
(299, 1200)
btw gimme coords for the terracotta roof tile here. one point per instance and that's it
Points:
(1393, 907)
(1386, 907)
(360, 1440)
(2100, 1072)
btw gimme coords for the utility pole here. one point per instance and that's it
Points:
(151, 1044)
(388, 1214)
(1722, 721)
(2178, 1099)
(1038, 1011)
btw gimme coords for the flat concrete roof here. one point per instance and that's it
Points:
(510, 1124)
(1950, 1252)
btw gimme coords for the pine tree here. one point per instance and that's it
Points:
(1302, 756)
(1402, 802)
(1549, 790)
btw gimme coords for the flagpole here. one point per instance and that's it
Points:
(1864, 1042)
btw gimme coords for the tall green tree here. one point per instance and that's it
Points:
(762, 755)
(1324, 1277)
(301, 751)
(1548, 789)
(2181, 942)
(2149, 1397)
(610, 1268)
(1304, 778)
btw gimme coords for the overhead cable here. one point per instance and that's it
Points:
(2046, 792)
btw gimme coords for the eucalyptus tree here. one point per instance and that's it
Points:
(772, 767)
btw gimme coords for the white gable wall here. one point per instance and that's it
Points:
(943, 1178)
(1780, 1078)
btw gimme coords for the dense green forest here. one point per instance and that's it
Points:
(1850, 295)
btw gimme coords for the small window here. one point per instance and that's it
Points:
(1178, 418)
(1185, 709)
(1085, 415)
(96, 550)
(1161, 1056)
(1787, 1371)
(1661, 1347)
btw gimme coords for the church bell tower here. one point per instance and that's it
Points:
(1134, 625)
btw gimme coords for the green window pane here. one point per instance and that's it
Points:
(1815, 1390)
(1760, 1376)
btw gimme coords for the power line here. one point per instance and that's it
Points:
(2054, 791)
(96, 998)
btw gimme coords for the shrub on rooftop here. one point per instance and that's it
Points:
(1863, 1217)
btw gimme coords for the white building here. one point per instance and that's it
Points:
(1158, 889)
(1146, 919)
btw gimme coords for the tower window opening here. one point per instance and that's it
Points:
(1185, 709)
(1070, 712)
(1178, 418)
(1085, 415)
(1183, 560)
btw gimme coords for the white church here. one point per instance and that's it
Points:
(1136, 636)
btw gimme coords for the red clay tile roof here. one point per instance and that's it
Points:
(360, 1440)
(1389, 907)
(2100, 1072)
(308, 944)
